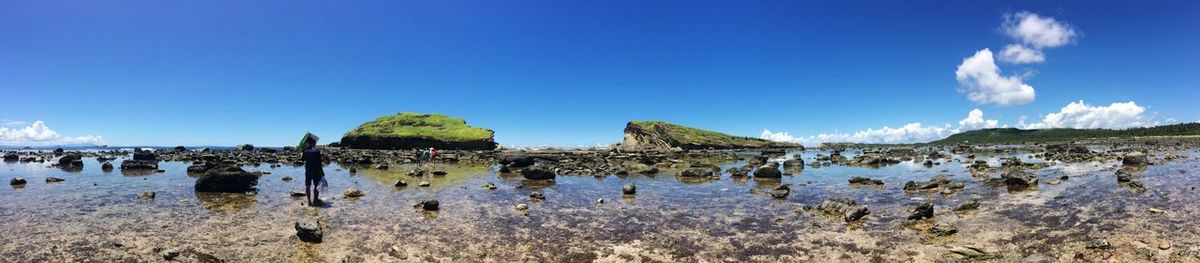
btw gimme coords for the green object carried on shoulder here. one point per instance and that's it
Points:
(304, 140)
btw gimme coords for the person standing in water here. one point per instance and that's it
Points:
(313, 175)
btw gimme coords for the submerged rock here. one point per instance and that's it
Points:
(53, 179)
(139, 165)
(537, 196)
(353, 193)
(537, 173)
(489, 186)
(922, 211)
(147, 195)
(629, 189)
(780, 192)
(697, 172)
(226, 178)
(942, 230)
(863, 181)
(845, 208)
(970, 205)
(429, 205)
(309, 231)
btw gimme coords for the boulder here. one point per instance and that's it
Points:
(139, 165)
(969, 205)
(769, 170)
(429, 205)
(17, 181)
(697, 172)
(1135, 159)
(863, 181)
(11, 157)
(780, 192)
(53, 179)
(1020, 179)
(145, 156)
(922, 211)
(353, 193)
(73, 160)
(226, 178)
(537, 173)
(245, 147)
(309, 231)
(847, 209)
(629, 189)
(107, 166)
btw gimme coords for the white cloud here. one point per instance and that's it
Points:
(1018, 54)
(1037, 31)
(975, 121)
(1080, 115)
(909, 133)
(37, 134)
(980, 78)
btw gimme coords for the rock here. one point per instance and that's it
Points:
(1098, 243)
(629, 189)
(780, 192)
(428, 205)
(409, 130)
(200, 167)
(600, 201)
(139, 165)
(922, 211)
(353, 193)
(170, 255)
(147, 195)
(942, 230)
(245, 147)
(863, 181)
(659, 136)
(969, 252)
(382, 166)
(1020, 179)
(697, 172)
(1135, 159)
(226, 178)
(286, 178)
(53, 179)
(968, 206)
(423, 183)
(400, 183)
(106, 166)
(439, 172)
(145, 156)
(17, 181)
(793, 165)
(297, 193)
(489, 186)
(769, 170)
(847, 209)
(537, 173)
(537, 196)
(309, 231)
(353, 170)
(73, 160)
(11, 157)
(739, 171)
(521, 207)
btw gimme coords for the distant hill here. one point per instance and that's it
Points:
(409, 130)
(660, 135)
(1014, 135)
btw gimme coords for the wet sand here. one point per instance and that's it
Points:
(98, 216)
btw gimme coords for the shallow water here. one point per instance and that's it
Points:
(97, 216)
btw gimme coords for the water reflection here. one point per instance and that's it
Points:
(227, 203)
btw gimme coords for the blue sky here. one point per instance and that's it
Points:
(571, 73)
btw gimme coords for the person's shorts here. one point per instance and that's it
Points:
(311, 180)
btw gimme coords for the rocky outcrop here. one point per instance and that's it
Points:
(418, 131)
(226, 178)
(663, 136)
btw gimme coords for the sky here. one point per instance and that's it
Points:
(572, 73)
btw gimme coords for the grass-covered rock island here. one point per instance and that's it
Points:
(409, 130)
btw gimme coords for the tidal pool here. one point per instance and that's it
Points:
(98, 216)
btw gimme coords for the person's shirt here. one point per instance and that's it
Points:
(312, 159)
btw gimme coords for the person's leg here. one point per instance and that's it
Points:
(316, 193)
(307, 192)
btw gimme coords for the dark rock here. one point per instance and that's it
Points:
(942, 230)
(1135, 159)
(922, 211)
(200, 167)
(1098, 243)
(429, 205)
(780, 192)
(401, 183)
(863, 181)
(697, 172)
(439, 172)
(770, 170)
(847, 209)
(1020, 179)
(309, 231)
(245, 147)
(139, 165)
(489, 186)
(286, 178)
(147, 195)
(17, 181)
(537, 196)
(537, 173)
(629, 189)
(11, 157)
(170, 255)
(53, 179)
(226, 178)
(73, 160)
(968, 206)
(145, 156)
(106, 166)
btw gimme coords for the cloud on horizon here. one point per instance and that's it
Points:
(1080, 115)
(38, 134)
